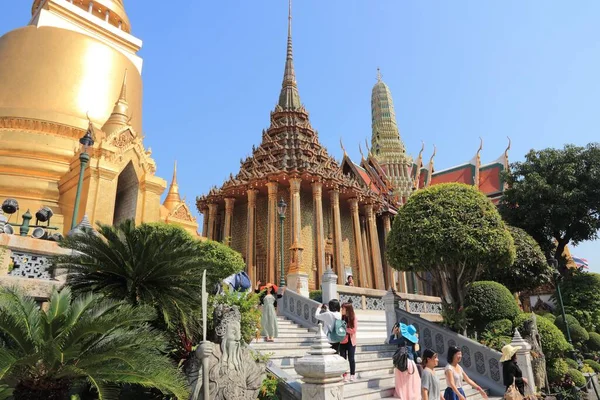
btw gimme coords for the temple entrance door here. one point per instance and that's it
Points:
(127, 195)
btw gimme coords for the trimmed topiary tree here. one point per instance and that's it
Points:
(594, 364)
(557, 369)
(593, 342)
(578, 334)
(501, 327)
(571, 320)
(577, 377)
(488, 301)
(553, 341)
(452, 231)
(530, 268)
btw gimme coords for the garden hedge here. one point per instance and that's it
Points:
(577, 377)
(488, 301)
(557, 369)
(502, 327)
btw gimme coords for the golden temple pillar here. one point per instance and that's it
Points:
(338, 262)
(212, 220)
(366, 252)
(317, 188)
(391, 274)
(297, 279)
(272, 232)
(229, 201)
(205, 221)
(251, 244)
(378, 276)
(358, 243)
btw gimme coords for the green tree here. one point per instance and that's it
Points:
(530, 268)
(487, 302)
(89, 340)
(153, 264)
(453, 232)
(581, 297)
(555, 196)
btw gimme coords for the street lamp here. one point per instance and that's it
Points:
(557, 277)
(86, 141)
(281, 207)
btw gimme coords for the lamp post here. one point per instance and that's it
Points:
(554, 263)
(87, 141)
(281, 207)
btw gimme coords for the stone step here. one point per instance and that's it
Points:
(387, 392)
(281, 359)
(281, 344)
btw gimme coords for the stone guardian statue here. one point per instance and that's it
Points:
(538, 359)
(233, 373)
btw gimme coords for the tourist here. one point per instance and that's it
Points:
(408, 383)
(455, 375)
(511, 372)
(268, 319)
(430, 384)
(328, 315)
(348, 345)
(350, 281)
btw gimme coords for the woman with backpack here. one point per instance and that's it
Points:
(332, 323)
(407, 379)
(348, 345)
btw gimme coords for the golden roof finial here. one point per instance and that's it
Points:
(378, 74)
(507, 148)
(368, 149)
(123, 95)
(173, 198)
(342, 146)
(480, 147)
(120, 114)
(289, 98)
(361, 152)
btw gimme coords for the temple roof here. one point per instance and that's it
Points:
(289, 147)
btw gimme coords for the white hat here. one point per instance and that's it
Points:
(508, 352)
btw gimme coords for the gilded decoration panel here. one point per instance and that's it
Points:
(307, 236)
(327, 217)
(239, 228)
(262, 236)
(348, 252)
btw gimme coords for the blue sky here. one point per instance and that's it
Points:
(458, 70)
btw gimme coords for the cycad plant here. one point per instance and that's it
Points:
(73, 343)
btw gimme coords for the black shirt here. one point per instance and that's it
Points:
(512, 373)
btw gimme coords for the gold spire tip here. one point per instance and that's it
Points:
(378, 74)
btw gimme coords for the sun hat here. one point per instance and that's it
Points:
(508, 352)
(409, 332)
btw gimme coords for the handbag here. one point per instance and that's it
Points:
(400, 359)
(512, 393)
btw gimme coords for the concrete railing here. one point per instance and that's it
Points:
(298, 308)
(481, 363)
(26, 263)
(372, 299)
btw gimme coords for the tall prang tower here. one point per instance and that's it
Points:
(387, 146)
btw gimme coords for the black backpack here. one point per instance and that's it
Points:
(400, 359)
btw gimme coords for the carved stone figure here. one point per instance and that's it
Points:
(233, 373)
(538, 360)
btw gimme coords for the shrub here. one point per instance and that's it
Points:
(548, 316)
(595, 365)
(578, 334)
(593, 342)
(577, 377)
(560, 322)
(586, 369)
(571, 363)
(268, 390)
(557, 369)
(488, 301)
(316, 295)
(501, 327)
(248, 306)
(553, 340)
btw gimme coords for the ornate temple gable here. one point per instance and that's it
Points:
(117, 149)
(183, 213)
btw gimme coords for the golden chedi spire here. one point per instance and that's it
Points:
(289, 98)
(120, 115)
(173, 198)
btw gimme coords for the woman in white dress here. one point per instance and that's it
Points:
(268, 319)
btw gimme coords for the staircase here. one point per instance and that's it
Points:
(374, 370)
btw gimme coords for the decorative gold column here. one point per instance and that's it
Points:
(205, 221)
(212, 220)
(358, 243)
(317, 188)
(272, 232)
(390, 272)
(229, 201)
(338, 262)
(250, 235)
(297, 279)
(366, 252)
(375, 249)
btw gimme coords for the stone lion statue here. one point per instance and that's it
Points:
(233, 373)
(538, 360)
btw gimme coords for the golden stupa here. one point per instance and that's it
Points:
(75, 67)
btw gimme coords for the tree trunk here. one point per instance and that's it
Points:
(46, 390)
